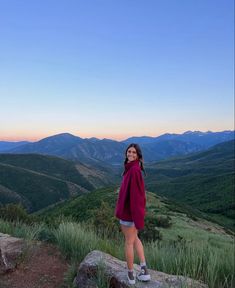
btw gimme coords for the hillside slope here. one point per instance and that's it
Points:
(203, 180)
(84, 208)
(37, 181)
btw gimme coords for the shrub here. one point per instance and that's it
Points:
(104, 220)
(15, 212)
(46, 234)
(163, 221)
(150, 231)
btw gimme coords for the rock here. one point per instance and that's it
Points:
(115, 273)
(11, 249)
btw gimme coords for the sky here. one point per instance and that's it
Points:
(115, 68)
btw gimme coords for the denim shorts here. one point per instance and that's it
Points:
(127, 223)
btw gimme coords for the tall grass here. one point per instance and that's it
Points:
(210, 261)
(197, 260)
(74, 241)
(101, 279)
(21, 230)
(213, 264)
(70, 275)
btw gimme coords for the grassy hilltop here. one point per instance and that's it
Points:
(177, 239)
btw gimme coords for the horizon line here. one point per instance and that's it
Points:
(8, 139)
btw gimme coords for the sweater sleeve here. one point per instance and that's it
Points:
(137, 198)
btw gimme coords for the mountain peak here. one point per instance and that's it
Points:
(93, 139)
(193, 132)
(64, 136)
(60, 138)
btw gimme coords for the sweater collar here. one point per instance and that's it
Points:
(128, 165)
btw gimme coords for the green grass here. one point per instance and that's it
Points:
(74, 241)
(21, 230)
(202, 256)
(191, 246)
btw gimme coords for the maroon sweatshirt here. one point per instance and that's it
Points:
(132, 200)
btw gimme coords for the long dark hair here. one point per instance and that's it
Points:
(139, 154)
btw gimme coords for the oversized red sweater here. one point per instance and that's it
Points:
(132, 200)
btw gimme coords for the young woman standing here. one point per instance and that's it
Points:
(130, 209)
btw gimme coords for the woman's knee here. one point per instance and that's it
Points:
(129, 241)
(130, 236)
(137, 240)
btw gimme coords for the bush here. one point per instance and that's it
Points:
(163, 221)
(150, 231)
(46, 234)
(15, 212)
(104, 220)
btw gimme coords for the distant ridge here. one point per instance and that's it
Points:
(108, 152)
(6, 145)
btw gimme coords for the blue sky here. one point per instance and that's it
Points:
(115, 69)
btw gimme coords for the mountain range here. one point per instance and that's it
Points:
(203, 180)
(107, 152)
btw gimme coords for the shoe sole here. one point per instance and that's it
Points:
(131, 281)
(144, 277)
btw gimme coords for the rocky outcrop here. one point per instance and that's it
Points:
(11, 249)
(98, 265)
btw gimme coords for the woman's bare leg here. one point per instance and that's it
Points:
(130, 236)
(139, 249)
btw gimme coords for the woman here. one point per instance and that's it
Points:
(130, 209)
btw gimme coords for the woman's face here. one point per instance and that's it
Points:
(131, 154)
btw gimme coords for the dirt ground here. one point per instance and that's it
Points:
(42, 267)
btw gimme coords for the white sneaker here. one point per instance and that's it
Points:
(144, 275)
(131, 277)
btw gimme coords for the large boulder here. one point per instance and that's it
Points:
(11, 249)
(97, 265)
